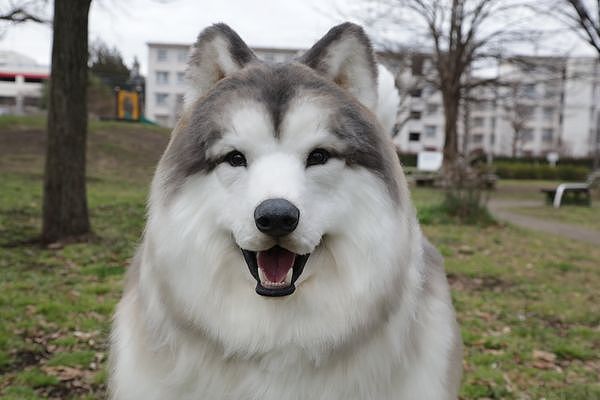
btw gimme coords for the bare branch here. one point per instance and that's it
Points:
(25, 11)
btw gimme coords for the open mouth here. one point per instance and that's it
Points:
(275, 270)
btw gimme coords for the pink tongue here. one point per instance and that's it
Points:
(276, 263)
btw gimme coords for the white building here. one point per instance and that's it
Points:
(165, 83)
(581, 112)
(21, 81)
(552, 103)
(545, 104)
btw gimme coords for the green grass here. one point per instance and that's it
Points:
(515, 292)
(588, 217)
(515, 189)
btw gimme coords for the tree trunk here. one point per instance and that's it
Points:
(65, 211)
(451, 109)
(466, 137)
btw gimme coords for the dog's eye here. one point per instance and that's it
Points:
(236, 159)
(317, 157)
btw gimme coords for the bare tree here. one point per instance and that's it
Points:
(518, 116)
(65, 211)
(583, 18)
(461, 34)
(18, 12)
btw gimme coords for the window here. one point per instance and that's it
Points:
(527, 135)
(492, 139)
(547, 134)
(524, 111)
(478, 122)
(432, 108)
(430, 131)
(31, 101)
(529, 111)
(161, 54)
(480, 105)
(414, 136)
(415, 115)
(493, 122)
(477, 138)
(548, 113)
(529, 90)
(551, 90)
(161, 98)
(416, 92)
(182, 56)
(8, 101)
(162, 77)
(181, 78)
(416, 64)
(428, 90)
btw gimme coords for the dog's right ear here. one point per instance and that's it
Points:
(217, 53)
(345, 56)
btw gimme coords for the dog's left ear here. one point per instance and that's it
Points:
(217, 53)
(345, 56)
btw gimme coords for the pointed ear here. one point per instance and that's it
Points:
(217, 53)
(345, 56)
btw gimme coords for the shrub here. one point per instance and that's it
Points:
(520, 170)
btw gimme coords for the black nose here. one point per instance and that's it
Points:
(276, 217)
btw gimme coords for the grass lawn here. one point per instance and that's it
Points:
(587, 217)
(528, 304)
(517, 189)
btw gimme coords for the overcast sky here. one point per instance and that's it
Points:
(130, 24)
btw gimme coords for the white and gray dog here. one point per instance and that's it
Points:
(282, 258)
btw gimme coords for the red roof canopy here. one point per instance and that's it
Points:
(26, 75)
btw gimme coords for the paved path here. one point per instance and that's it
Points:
(500, 211)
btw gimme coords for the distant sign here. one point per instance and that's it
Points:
(552, 158)
(128, 105)
(429, 161)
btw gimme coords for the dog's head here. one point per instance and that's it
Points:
(279, 182)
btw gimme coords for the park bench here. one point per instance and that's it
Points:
(579, 192)
(429, 164)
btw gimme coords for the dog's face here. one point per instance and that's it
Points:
(279, 213)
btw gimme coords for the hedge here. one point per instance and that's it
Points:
(575, 170)
(582, 162)
(520, 170)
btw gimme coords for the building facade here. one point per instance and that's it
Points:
(540, 105)
(165, 83)
(21, 83)
(544, 104)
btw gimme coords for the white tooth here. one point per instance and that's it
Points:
(261, 276)
(288, 278)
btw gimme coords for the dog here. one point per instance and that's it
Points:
(282, 257)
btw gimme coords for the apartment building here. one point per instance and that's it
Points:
(545, 104)
(21, 82)
(165, 83)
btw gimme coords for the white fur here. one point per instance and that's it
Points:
(214, 63)
(370, 319)
(388, 99)
(345, 58)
